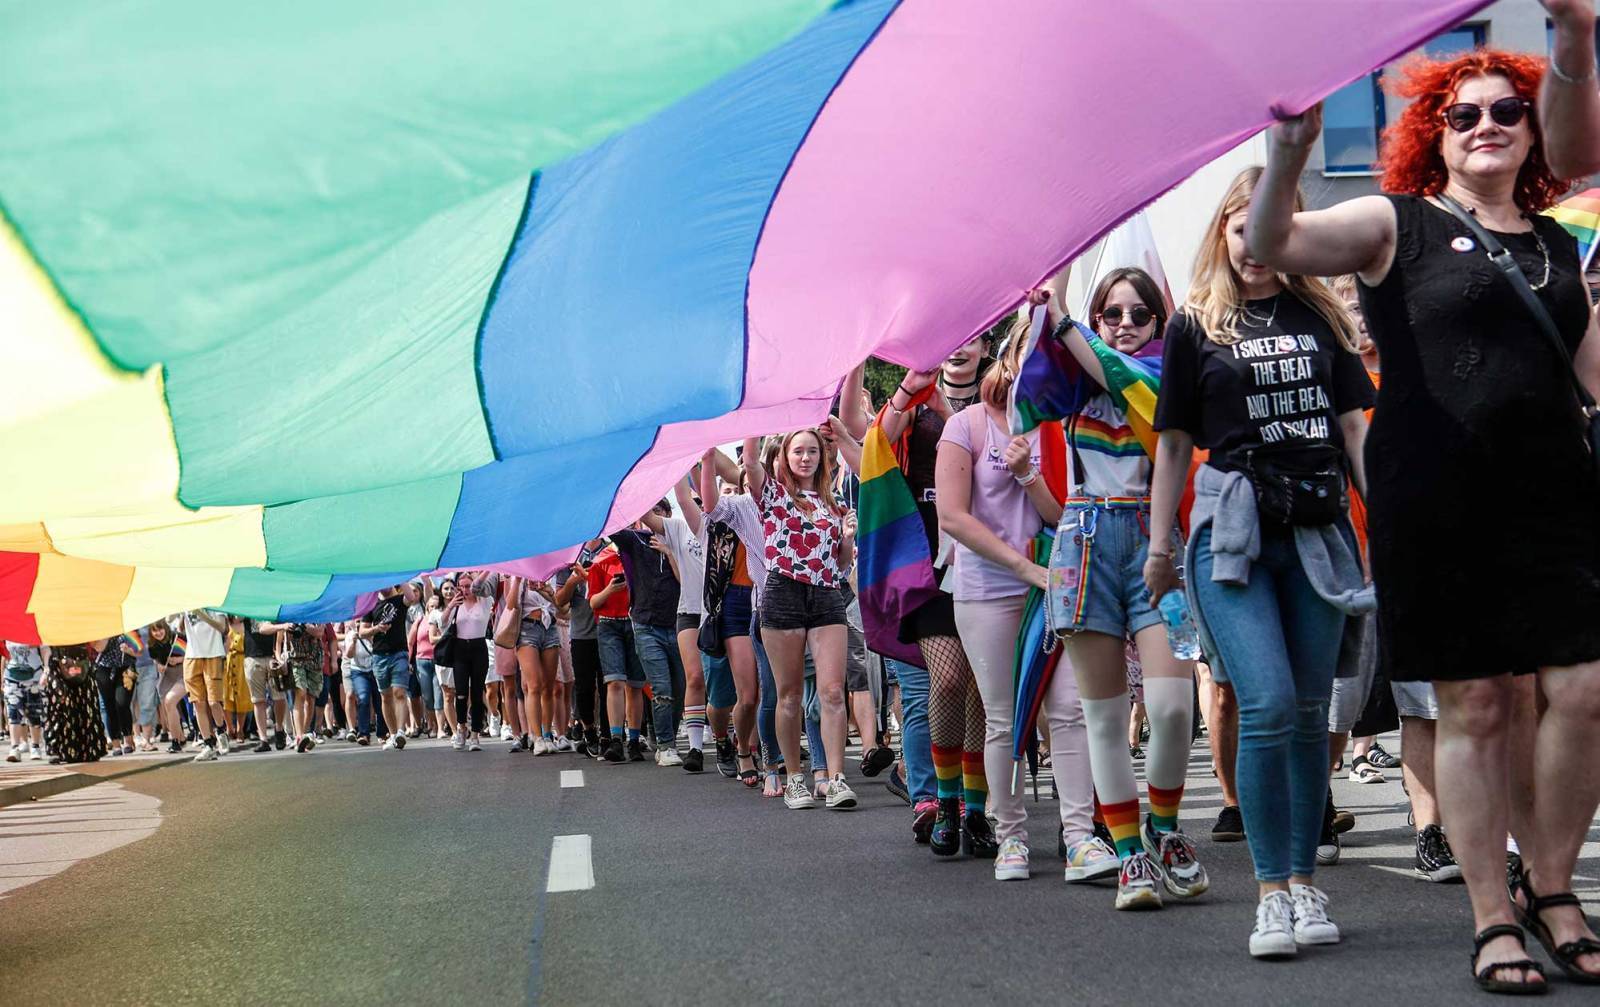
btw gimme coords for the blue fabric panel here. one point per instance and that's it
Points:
(536, 503)
(628, 275)
(339, 599)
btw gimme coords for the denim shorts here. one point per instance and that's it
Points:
(537, 635)
(391, 671)
(619, 658)
(1110, 591)
(1416, 699)
(734, 620)
(720, 692)
(788, 604)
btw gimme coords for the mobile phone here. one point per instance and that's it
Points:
(617, 578)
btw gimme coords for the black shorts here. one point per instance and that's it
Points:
(734, 619)
(688, 620)
(934, 617)
(789, 604)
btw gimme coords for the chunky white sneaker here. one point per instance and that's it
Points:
(1311, 923)
(840, 796)
(1011, 864)
(207, 754)
(1139, 883)
(668, 757)
(797, 793)
(1090, 858)
(1175, 857)
(1274, 935)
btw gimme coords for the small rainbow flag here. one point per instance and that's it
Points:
(1580, 215)
(895, 569)
(1052, 385)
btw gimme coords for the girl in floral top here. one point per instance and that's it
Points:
(810, 541)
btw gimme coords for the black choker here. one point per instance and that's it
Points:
(948, 384)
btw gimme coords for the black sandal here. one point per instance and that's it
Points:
(752, 776)
(1487, 977)
(1564, 955)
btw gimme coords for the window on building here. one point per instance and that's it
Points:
(1352, 118)
(1455, 41)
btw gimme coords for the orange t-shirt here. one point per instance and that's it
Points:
(741, 568)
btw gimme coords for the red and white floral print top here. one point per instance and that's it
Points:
(802, 545)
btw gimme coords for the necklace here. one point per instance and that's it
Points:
(1255, 319)
(1544, 250)
(958, 384)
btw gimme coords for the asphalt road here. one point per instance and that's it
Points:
(356, 876)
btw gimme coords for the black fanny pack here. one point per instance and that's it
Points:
(1298, 484)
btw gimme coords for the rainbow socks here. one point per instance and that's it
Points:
(1164, 807)
(947, 770)
(1122, 820)
(694, 718)
(974, 786)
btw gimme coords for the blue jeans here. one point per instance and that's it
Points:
(812, 707)
(916, 748)
(365, 688)
(663, 667)
(1279, 644)
(432, 692)
(767, 713)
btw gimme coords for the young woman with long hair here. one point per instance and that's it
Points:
(993, 500)
(538, 658)
(1260, 368)
(810, 541)
(470, 608)
(1476, 388)
(955, 707)
(1104, 537)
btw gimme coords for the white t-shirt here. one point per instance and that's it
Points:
(204, 640)
(689, 552)
(1114, 462)
(739, 512)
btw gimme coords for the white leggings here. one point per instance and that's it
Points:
(989, 635)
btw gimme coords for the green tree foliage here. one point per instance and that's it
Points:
(882, 376)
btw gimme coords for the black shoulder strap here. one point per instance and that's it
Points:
(1513, 273)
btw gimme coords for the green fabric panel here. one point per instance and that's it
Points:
(190, 171)
(293, 411)
(396, 528)
(257, 594)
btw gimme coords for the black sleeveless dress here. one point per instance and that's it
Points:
(1484, 502)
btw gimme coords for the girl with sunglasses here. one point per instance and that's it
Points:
(1476, 394)
(1260, 369)
(1104, 535)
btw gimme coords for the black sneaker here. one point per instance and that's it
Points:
(1229, 827)
(1434, 859)
(1380, 758)
(635, 750)
(175, 748)
(265, 746)
(896, 785)
(727, 758)
(278, 740)
(877, 760)
(694, 761)
(614, 752)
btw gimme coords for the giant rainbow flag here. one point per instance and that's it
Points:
(301, 298)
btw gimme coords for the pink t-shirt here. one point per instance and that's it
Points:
(997, 501)
(472, 618)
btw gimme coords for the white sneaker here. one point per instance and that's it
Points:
(389, 742)
(35, 753)
(1012, 862)
(494, 726)
(564, 744)
(840, 796)
(222, 743)
(505, 732)
(1311, 923)
(797, 793)
(1274, 935)
(473, 745)
(668, 757)
(207, 754)
(15, 755)
(458, 741)
(546, 746)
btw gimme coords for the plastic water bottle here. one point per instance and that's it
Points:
(1182, 637)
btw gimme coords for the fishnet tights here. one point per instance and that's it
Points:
(955, 709)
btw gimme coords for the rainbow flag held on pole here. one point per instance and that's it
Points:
(1580, 215)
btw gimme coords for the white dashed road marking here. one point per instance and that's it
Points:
(571, 778)
(571, 869)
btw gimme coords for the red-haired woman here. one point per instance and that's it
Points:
(810, 543)
(1475, 396)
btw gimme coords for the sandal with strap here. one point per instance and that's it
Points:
(1564, 955)
(752, 776)
(1487, 977)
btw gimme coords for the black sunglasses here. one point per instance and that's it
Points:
(1464, 116)
(1140, 316)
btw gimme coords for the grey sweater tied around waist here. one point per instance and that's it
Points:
(1226, 503)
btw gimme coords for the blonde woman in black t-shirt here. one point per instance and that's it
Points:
(1259, 367)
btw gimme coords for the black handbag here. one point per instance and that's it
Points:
(444, 651)
(1298, 484)
(1508, 266)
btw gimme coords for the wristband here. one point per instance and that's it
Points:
(1556, 72)
(1153, 553)
(1029, 479)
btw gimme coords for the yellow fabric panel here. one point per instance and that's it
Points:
(170, 536)
(111, 453)
(24, 538)
(78, 600)
(157, 593)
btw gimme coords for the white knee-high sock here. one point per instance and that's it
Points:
(1106, 722)
(1169, 705)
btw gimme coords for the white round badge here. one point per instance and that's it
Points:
(1462, 244)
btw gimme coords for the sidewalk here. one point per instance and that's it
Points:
(22, 782)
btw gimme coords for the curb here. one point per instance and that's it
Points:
(24, 793)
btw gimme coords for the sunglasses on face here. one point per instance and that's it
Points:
(1464, 116)
(1140, 316)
